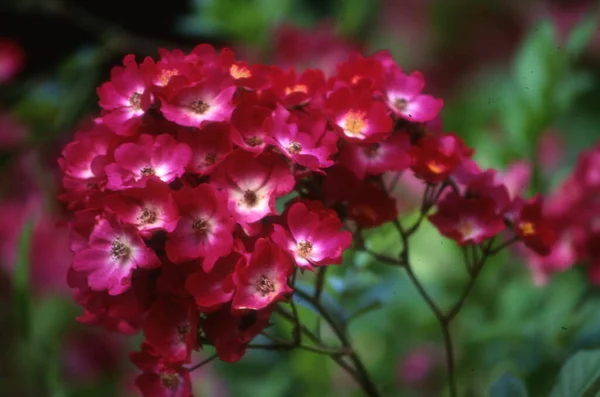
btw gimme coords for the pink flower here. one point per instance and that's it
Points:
(264, 279)
(248, 126)
(314, 238)
(253, 184)
(209, 144)
(12, 58)
(213, 289)
(126, 98)
(148, 208)
(403, 96)
(160, 156)
(516, 178)
(392, 154)
(357, 116)
(171, 328)
(209, 100)
(312, 149)
(467, 220)
(160, 378)
(205, 228)
(113, 253)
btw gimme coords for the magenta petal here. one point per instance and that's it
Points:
(423, 108)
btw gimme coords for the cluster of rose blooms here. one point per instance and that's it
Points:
(174, 191)
(572, 210)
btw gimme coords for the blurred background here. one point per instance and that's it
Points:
(482, 56)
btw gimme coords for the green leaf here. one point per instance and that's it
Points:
(352, 16)
(580, 376)
(22, 300)
(508, 386)
(581, 36)
(535, 69)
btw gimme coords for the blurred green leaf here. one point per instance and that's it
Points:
(580, 376)
(243, 21)
(581, 35)
(22, 293)
(353, 15)
(508, 386)
(535, 67)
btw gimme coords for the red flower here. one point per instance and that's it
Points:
(312, 148)
(148, 208)
(467, 220)
(252, 185)
(357, 116)
(113, 252)
(314, 238)
(230, 332)
(213, 289)
(209, 100)
(125, 98)
(533, 229)
(264, 279)
(392, 154)
(204, 229)
(209, 145)
(161, 156)
(160, 378)
(437, 156)
(171, 328)
(403, 96)
(248, 126)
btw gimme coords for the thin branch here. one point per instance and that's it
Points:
(320, 281)
(363, 375)
(296, 331)
(202, 363)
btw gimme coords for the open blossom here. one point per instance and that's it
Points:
(252, 185)
(357, 116)
(264, 279)
(312, 148)
(403, 96)
(172, 329)
(126, 98)
(204, 229)
(436, 156)
(467, 220)
(313, 239)
(160, 378)
(213, 289)
(392, 154)
(209, 100)
(113, 253)
(160, 156)
(248, 125)
(148, 208)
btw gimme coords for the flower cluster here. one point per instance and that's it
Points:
(175, 191)
(572, 210)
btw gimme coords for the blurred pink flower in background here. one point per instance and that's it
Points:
(316, 48)
(27, 195)
(12, 59)
(551, 151)
(419, 368)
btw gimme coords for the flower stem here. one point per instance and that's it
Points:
(362, 375)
